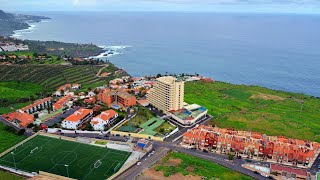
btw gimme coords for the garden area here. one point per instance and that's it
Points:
(259, 109)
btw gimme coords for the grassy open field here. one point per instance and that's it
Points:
(254, 108)
(8, 176)
(16, 94)
(8, 138)
(177, 163)
(66, 158)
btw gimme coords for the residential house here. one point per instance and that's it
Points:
(77, 119)
(103, 120)
(62, 102)
(19, 118)
(252, 144)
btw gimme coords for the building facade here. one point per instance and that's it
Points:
(77, 119)
(103, 120)
(252, 144)
(117, 97)
(38, 105)
(167, 94)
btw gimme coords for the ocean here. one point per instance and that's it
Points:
(278, 51)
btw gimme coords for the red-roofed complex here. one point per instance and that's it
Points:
(289, 172)
(104, 120)
(19, 118)
(77, 119)
(252, 144)
(61, 102)
(38, 105)
(117, 97)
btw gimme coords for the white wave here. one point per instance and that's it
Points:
(111, 51)
(19, 33)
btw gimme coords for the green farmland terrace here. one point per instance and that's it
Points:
(53, 76)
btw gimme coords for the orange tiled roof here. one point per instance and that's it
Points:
(36, 103)
(107, 115)
(61, 102)
(24, 118)
(78, 115)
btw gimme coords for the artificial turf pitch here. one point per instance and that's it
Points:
(65, 158)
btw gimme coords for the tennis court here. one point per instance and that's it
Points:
(65, 158)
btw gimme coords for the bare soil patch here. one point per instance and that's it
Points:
(152, 174)
(267, 97)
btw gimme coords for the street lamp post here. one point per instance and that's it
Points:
(14, 161)
(66, 165)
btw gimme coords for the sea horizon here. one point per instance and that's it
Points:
(239, 48)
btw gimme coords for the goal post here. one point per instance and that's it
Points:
(115, 169)
(33, 150)
(97, 164)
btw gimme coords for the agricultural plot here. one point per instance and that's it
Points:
(65, 158)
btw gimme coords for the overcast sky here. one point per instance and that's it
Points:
(259, 6)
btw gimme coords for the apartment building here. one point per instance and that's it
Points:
(117, 98)
(252, 144)
(77, 119)
(38, 105)
(104, 119)
(167, 94)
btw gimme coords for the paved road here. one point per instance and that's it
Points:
(314, 168)
(58, 118)
(135, 170)
(182, 130)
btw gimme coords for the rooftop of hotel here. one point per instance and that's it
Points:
(167, 79)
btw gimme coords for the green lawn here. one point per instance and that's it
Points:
(165, 128)
(143, 115)
(190, 165)
(8, 138)
(8, 176)
(80, 161)
(12, 92)
(254, 108)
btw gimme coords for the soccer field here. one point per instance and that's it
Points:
(65, 158)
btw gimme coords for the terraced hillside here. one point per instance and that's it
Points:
(53, 76)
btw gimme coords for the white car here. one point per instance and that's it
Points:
(138, 164)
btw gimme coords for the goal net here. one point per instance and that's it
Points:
(117, 168)
(33, 150)
(97, 164)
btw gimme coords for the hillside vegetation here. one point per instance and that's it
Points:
(254, 108)
(21, 83)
